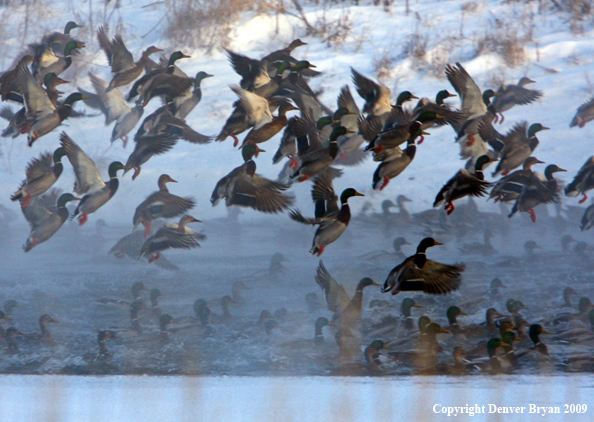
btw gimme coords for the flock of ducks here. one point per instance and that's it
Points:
(313, 144)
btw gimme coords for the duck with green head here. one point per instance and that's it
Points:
(508, 188)
(40, 176)
(57, 66)
(537, 192)
(45, 216)
(417, 273)
(165, 84)
(464, 184)
(164, 69)
(243, 187)
(406, 308)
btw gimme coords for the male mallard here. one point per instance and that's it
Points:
(405, 309)
(437, 107)
(88, 179)
(509, 187)
(452, 313)
(44, 116)
(585, 113)
(346, 311)
(314, 157)
(45, 216)
(417, 273)
(115, 108)
(332, 220)
(59, 65)
(583, 181)
(243, 187)
(396, 135)
(512, 95)
(164, 84)
(168, 237)
(517, 145)
(536, 192)
(464, 184)
(41, 176)
(393, 162)
(121, 60)
(161, 204)
(57, 41)
(185, 103)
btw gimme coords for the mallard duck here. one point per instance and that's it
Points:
(161, 204)
(135, 308)
(437, 107)
(185, 103)
(405, 309)
(167, 69)
(256, 109)
(121, 60)
(266, 131)
(537, 192)
(376, 95)
(477, 248)
(587, 221)
(225, 317)
(585, 113)
(137, 288)
(243, 187)
(518, 144)
(202, 311)
(45, 216)
(164, 84)
(452, 313)
(332, 221)
(464, 184)
(346, 311)
(104, 353)
(58, 40)
(59, 65)
(9, 86)
(43, 115)
(41, 176)
(394, 135)
(534, 332)
(44, 337)
(284, 55)
(583, 181)
(509, 187)
(314, 157)
(393, 162)
(130, 246)
(12, 347)
(88, 179)
(512, 95)
(179, 237)
(417, 273)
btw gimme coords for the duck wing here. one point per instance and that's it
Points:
(37, 102)
(260, 194)
(254, 105)
(376, 96)
(39, 167)
(113, 100)
(336, 297)
(434, 278)
(118, 56)
(88, 178)
(469, 92)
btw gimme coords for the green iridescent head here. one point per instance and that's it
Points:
(348, 193)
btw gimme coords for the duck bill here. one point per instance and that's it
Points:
(258, 150)
(195, 220)
(331, 324)
(545, 331)
(560, 169)
(172, 181)
(443, 330)
(438, 243)
(358, 194)
(545, 128)
(463, 313)
(373, 283)
(451, 95)
(85, 97)
(416, 305)
(60, 81)
(350, 131)
(185, 56)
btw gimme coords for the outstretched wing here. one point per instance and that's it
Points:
(336, 297)
(88, 178)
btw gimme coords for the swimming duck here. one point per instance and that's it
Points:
(584, 114)
(534, 332)
(583, 181)
(12, 347)
(121, 60)
(136, 289)
(104, 353)
(512, 95)
(202, 311)
(405, 309)
(45, 337)
(452, 313)
(41, 176)
(518, 144)
(477, 248)
(332, 221)
(587, 219)
(167, 237)
(225, 317)
(161, 204)
(154, 296)
(135, 308)
(185, 103)
(243, 187)
(45, 216)
(463, 184)
(43, 115)
(417, 273)
(537, 192)
(509, 187)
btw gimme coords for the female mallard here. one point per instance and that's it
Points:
(121, 60)
(314, 157)
(161, 204)
(583, 181)
(88, 179)
(168, 237)
(464, 184)
(393, 162)
(347, 311)
(585, 114)
(43, 115)
(41, 176)
(243, 187)
(509, 187)
(512, 95)
(518, 144)
(537, 192)
(417, 273)
(332, 220)
(184, 104)
(45, 217)
(268, 130)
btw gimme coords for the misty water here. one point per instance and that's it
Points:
(67, 276)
